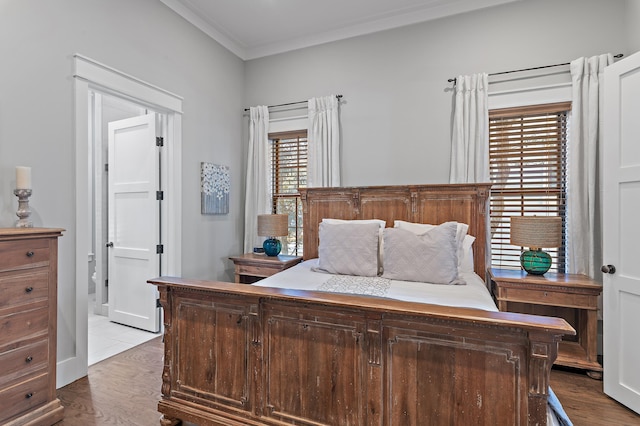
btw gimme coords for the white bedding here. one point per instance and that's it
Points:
(472, 295)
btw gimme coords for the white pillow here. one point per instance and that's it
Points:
(349, 248)
(466, 263)
(429, 257)
(380, 223)
(463, 244)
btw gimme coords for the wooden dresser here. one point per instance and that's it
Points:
(28, 318)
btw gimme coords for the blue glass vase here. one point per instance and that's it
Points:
(272, 246)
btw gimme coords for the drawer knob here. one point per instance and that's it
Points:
(28, 289)
(28, 359)
(30, 254)
(29, 395)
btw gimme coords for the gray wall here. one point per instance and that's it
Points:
(147, 40)
(397, 113)
(633, 25)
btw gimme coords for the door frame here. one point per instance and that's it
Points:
(92, 75)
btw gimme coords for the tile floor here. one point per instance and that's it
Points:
(107, 338)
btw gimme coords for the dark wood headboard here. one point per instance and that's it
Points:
(434, 204)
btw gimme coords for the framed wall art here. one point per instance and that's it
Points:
(215, 184)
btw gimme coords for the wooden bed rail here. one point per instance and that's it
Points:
(238, 354)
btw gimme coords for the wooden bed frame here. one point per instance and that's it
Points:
(244, 355)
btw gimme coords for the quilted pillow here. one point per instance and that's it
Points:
(349, 248)
(463, 240)
(380, 223)
(430, 257)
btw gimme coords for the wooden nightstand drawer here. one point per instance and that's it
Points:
(547, 297)
(257, 271)
(24, 254)
(251, 267)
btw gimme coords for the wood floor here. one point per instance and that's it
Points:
(125, 389)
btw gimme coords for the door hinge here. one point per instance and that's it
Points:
(159, 141)
(106, 167)
(159, 195)
(106, 283)
(158, 304)
(159, 249)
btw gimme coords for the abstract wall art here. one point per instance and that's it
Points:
(215, 184)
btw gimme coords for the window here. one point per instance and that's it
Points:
(288, 173)
(528, 168)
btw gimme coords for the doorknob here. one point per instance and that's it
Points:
(608, 269)
(110, 244)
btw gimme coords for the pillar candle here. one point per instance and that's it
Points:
(23, 177)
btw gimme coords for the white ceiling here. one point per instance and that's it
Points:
(256, 28)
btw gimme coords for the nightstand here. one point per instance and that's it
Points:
(569, 296)
(251, 267)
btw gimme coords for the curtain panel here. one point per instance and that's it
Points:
(470, 133)
(257, 191)
(583, 187)
(323, 138)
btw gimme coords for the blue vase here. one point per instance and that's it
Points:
(535, 262)
(272, 246)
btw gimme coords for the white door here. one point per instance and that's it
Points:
(621, 231)
(133, 222)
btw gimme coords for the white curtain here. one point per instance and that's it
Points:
(583, 185)
(323, 138)
(257, 195)
(470, 133)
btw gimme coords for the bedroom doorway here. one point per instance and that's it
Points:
(91, 76)
(123, 204)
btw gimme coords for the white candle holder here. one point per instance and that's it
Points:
(23, 208)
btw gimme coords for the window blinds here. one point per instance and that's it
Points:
(288, 173)
(527, 166)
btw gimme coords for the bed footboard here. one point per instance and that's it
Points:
(237, 354)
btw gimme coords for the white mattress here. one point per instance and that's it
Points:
(472, 295)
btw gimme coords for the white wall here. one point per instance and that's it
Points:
(147, 40)
(397, 105)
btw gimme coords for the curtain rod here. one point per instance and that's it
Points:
(338, 97)
(454, 80)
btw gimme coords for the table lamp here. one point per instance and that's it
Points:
(536, 232)
(272, 226)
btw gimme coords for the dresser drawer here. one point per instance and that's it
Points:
(548, 297)
(24, 396)
(21, 288)
(17, 326)
(23, 361)
(24, 254)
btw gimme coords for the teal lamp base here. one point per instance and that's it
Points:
(535, 262)
(272, 246)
